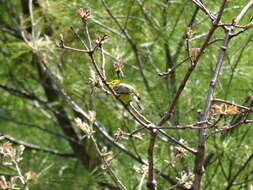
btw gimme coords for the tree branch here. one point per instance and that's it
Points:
(36, 147)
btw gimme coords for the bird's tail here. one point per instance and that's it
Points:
(138, 102)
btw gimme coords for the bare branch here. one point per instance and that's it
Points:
(204, 9)
(10, 30)
(36, 147)
(172, 139)
(151, 183)
(78, 37)
(243, 12)
(192, 126)
(21, 176)
(39, 127)
(109, 28)
(231, 103)
(32, 22)
(170, 70)
(141, 181)
(229, 127)
(199, 160)
(108, 168)
(244, 165)
(63, 46)
(22, 94)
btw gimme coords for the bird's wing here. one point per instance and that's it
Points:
(123, 89)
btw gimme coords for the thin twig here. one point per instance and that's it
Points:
(229, 127)
(192, 126)
(78, 37)
(172, 139)
(170, 70)
(45, 129)
(86, 31)
(141, 181)
(174, 186)
(234, 67)
(21, 177)
(63, 46)
(10, 30)
(151, 22)
(243, 12)
(231, 103)
(36, 147)
(181, 42)
(32, 23)
(103, 62)
(21, 93)
(243, 182)
(108, 168)
(204, 9)
(109, 28)
(244, 165)
(215, 40)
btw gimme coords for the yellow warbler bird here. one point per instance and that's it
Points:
(124, 91)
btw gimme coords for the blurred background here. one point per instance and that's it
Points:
(148, 37)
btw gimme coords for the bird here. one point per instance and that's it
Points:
(125, 92)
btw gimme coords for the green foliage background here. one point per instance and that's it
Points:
(55, 17)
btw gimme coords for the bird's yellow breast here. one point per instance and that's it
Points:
(126, 98)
